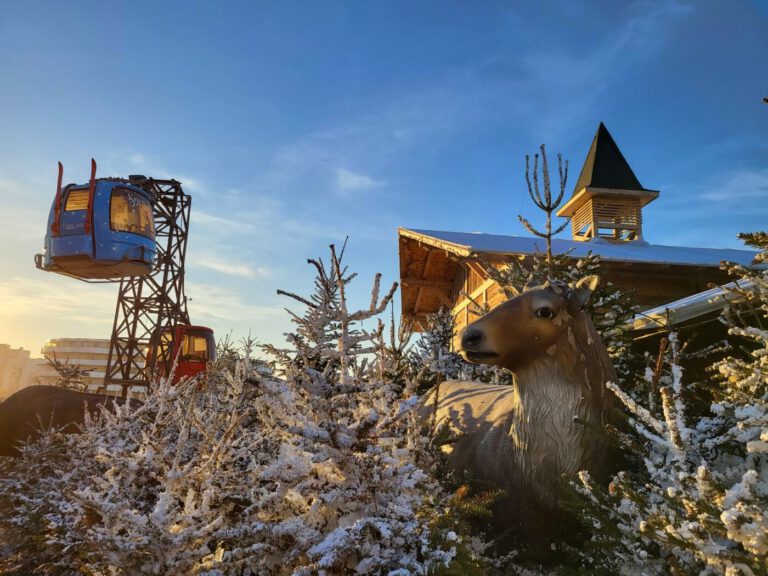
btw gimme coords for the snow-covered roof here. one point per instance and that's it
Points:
(469, 243)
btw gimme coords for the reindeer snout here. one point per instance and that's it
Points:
(471, 339)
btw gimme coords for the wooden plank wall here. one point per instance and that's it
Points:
(488, 294)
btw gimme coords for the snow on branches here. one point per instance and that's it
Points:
(321, 471)
(700, 501)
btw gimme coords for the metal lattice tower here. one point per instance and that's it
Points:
(148, 304)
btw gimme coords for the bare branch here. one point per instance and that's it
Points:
(343, 248)
(561, 228)
(530, 228)
(563, 178)
(545, 174)
(532, 192)
(546, 204)
(363, 314)
(375, 290)
(297, 298)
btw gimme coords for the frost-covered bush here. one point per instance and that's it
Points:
(321, 471)
(699, 504)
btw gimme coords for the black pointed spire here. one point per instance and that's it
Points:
(605, 166)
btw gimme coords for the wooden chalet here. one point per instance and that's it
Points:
(438, 267)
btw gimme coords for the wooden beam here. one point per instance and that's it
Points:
(420, 282)
(419, 287)
(443, 298)
(419, 293)
(477, 268)
(419, 321)
(424, 282)
(427, 262)
(476, 294)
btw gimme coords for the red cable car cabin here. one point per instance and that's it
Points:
(192, 347)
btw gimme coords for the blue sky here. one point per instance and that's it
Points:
(295, 124)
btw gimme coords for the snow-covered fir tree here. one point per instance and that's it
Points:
(432, 357)
(249, 474)
(317, 465)
(69, 376)
(699, 503)
(394, 354)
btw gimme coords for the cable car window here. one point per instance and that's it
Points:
(72, 218)
(131, 212)
(195, 348)
(76, 200)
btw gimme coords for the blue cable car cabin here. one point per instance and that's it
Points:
(103, 230)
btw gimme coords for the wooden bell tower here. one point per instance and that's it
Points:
(608, 199)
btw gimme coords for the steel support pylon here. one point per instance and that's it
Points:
(147, 305)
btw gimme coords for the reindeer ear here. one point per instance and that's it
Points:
(582, 290)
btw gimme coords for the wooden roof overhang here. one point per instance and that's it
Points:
(429, 267)
(428, 270)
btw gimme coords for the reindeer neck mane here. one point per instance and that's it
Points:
(560, 398)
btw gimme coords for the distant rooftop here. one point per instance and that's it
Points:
(468, 243)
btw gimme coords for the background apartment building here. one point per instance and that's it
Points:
(90, 354)
(17, 369)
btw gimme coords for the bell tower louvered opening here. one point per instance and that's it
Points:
(619, 219)
(608, 199)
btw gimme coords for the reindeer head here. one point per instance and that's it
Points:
(518, 331)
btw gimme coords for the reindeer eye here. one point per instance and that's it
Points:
(545, 312)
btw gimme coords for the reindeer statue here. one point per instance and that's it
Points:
(524, 438)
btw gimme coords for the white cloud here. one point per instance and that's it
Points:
(57, 298)
(266, 224)
(419, 117)
(219, 303)
(348, 181)
(221, 225)
(739, 185)
(10, 187)
(22, 216)
(241, 269)
(426, 117)
(138, 159)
